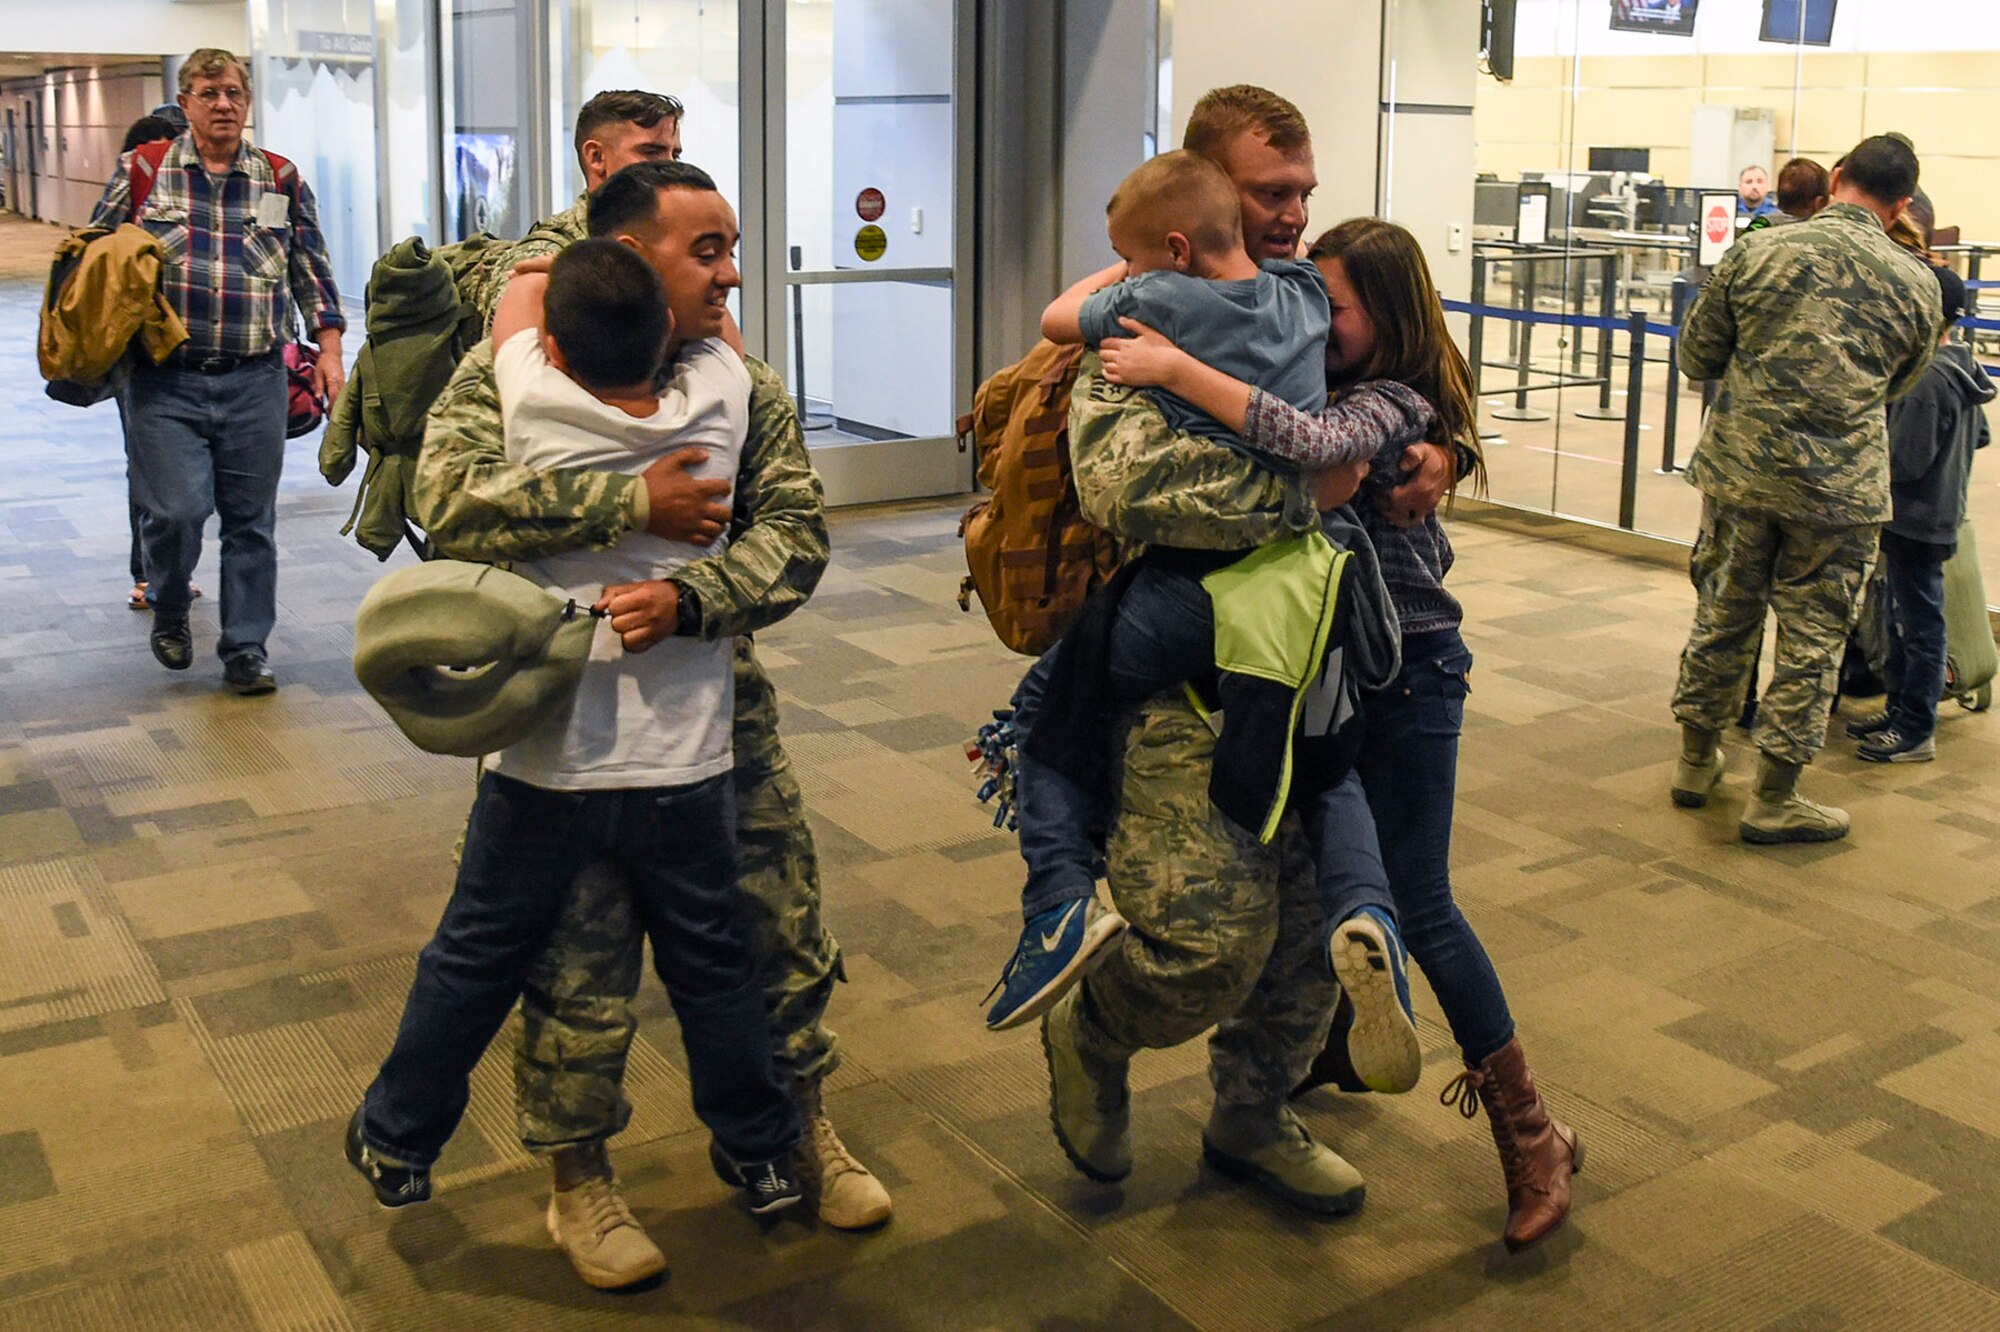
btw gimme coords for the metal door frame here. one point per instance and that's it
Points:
(889, 469)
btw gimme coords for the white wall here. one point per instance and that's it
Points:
(1429, 65)
(122, 27)
(1324, 56)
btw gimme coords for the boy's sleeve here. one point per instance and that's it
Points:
(1101, 311)
(1914, 425)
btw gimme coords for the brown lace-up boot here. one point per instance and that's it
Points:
(1538, 1153)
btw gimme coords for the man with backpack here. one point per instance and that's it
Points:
(206, 429)
(577, 1024)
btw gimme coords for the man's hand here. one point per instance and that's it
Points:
(680, 507)
(1429, 469)
(641, 614)
(329, 372)
(541, 264)
(1143, 358)
(1336, 485)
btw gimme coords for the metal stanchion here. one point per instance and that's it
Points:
(1524, 285)
(1607, 310)
(1475, 337)
(1635, 380)
(1679, 310)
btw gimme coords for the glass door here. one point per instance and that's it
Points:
(864, 245)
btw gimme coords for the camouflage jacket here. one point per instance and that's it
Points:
(476, 505)
(546, 239)
(1139, 479)
(1812, 328)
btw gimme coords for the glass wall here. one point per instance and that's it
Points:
(315, 89)
(1599, 151)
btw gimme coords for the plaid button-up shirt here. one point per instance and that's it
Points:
(232, 271)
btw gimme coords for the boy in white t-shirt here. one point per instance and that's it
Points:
(636, 769)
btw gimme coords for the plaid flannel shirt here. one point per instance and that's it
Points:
(231, 277)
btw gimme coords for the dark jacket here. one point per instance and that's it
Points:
(1932, 433)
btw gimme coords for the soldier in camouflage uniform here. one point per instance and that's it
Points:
(1222, 932)
(1812, 328)
(577, 1023)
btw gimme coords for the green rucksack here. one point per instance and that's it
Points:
(426, 310)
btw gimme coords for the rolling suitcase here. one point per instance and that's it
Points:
(1970, 657)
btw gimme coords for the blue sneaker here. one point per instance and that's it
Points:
(1373, 970)
(1058, 948)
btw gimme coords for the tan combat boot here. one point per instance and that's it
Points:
(1268, 1146)
(1089, 1105)
(590, 1223)
(1538, 1154)
(1777, 813)
(847, 1195)
(1699, 769)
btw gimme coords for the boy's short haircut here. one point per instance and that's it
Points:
(630, 199)
(1180, 191)
(1801, 183)
(607, 311)
(1223, 113)
(1881, 167)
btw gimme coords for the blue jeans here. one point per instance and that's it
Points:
(523, 848)
(199, 444)
(1914, 575)
(1164, 634)
(1409, 767)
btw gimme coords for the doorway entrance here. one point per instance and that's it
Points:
(857, 170)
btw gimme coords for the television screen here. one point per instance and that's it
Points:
(1672, 17)
(1798, 21)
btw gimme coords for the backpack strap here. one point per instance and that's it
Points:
(145, 170)
(147, 159)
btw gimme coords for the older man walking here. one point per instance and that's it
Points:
(1811, 328)
(206, 430)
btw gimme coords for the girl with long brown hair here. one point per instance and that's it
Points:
(1389, 324)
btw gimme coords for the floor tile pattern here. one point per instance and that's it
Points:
(1783, 1060)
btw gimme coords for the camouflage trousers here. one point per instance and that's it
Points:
(1746, 562)
(576, 1012)
(1224, 932)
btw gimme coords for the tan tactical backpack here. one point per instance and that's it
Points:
(1033, 558)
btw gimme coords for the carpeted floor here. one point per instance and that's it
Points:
(1783, 1061)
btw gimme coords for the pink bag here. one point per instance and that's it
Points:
(304, 409)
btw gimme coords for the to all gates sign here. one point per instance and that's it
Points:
(1718, 228)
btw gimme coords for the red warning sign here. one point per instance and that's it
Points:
(1718, 224)
(869, 204)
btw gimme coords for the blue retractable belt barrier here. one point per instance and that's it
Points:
(1567, 320)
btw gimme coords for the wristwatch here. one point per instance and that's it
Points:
(687, 611)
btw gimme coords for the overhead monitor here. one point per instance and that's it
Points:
(1675, 18)
(1630, 160)
(1807, 22)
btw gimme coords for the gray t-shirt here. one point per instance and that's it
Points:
(1268, 331)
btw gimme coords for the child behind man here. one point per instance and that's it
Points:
(1176, 223)
(1932, 434)
(637, 770)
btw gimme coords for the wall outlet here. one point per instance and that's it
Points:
(917, 221)
(1454, 237)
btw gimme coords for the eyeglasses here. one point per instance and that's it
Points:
(234, 96)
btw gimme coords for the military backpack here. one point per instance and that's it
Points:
(1032, 557)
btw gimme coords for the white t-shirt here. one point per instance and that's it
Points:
(661, 717)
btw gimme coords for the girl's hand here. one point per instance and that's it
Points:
(1337, 485)
(1147, 359)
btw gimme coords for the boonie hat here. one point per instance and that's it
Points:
(465, 658)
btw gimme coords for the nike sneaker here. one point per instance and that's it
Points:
(1058, 948)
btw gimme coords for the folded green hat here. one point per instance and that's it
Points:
(466, 658)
